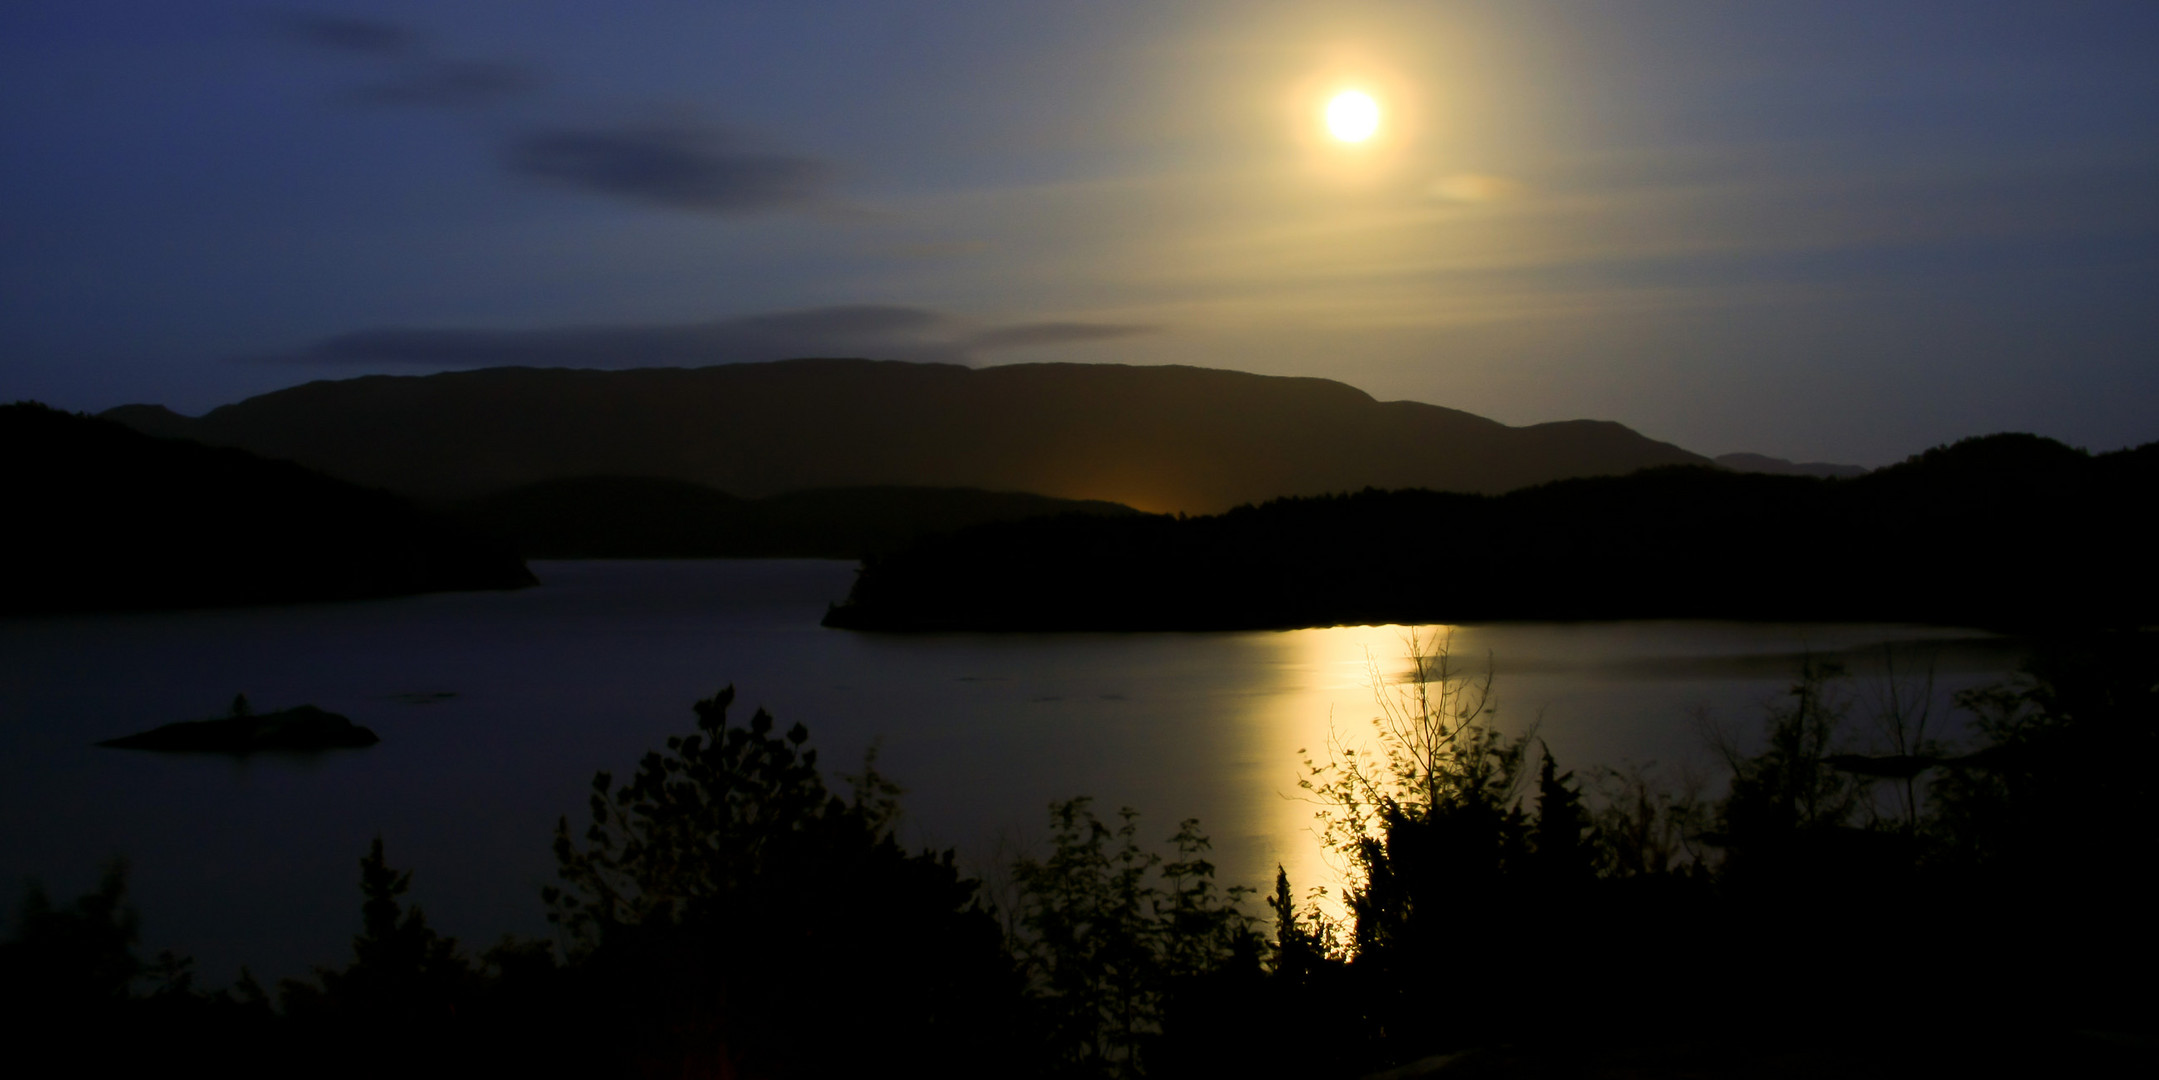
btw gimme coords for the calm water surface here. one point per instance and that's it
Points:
(496, 708)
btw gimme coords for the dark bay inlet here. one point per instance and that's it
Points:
(495, 709)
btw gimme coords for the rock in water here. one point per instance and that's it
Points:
(301, 728)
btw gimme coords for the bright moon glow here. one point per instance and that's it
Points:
(1353, 116)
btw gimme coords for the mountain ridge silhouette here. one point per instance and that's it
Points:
(1168, 438)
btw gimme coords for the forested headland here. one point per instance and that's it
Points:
(2005, 531)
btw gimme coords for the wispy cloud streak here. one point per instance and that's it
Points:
(860, 330)
(677, 167)
(347, 34)
(451, 84)
(676, 164)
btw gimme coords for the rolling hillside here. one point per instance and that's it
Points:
(1163, 439)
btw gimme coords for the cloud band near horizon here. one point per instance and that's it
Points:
(873, 331)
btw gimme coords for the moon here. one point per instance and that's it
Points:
(1352, 116)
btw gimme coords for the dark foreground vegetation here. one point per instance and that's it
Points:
(1859, 899)
(2007, 531)
(103, 517)
(630, 517)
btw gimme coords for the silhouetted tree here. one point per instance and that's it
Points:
(1645, 826)
(727, 912)
(74, 991)
(73, 958)
(1563, 845)
(1134, 961)
(404, 980)
(1784, 819)
(1297, 948)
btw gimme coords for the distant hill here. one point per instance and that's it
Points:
(102, 517)
(1776, 466)
(1158, 438)
(613, 517)
(2004, 531)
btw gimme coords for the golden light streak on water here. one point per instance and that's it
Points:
(1324, 688)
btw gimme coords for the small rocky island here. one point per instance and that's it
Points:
(300, 729)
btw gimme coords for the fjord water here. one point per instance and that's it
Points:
(496, 708)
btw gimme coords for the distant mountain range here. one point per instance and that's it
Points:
(101, 518)
(1172, 439)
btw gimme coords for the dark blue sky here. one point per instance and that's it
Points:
(1818, 230)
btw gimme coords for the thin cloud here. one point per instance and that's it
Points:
(451, 84)
(347, 34)
(680, 166)
(1024, 335)
(1475, 188)
(413, 76)
(944, 249)
(867, 330)
(676, 167)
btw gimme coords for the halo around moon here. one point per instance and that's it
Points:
(1352, 116)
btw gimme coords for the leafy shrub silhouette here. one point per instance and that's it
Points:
(1114, 939)
(1430, 822)
(72, 988)
(1789, 812)
(73, 957)
(1647, 826)
(2051, 820)
(1437, 788)
(727, 912)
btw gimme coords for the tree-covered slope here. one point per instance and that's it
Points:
(2003, 530)
(102, 517)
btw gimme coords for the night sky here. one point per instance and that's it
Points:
(1824, 231)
